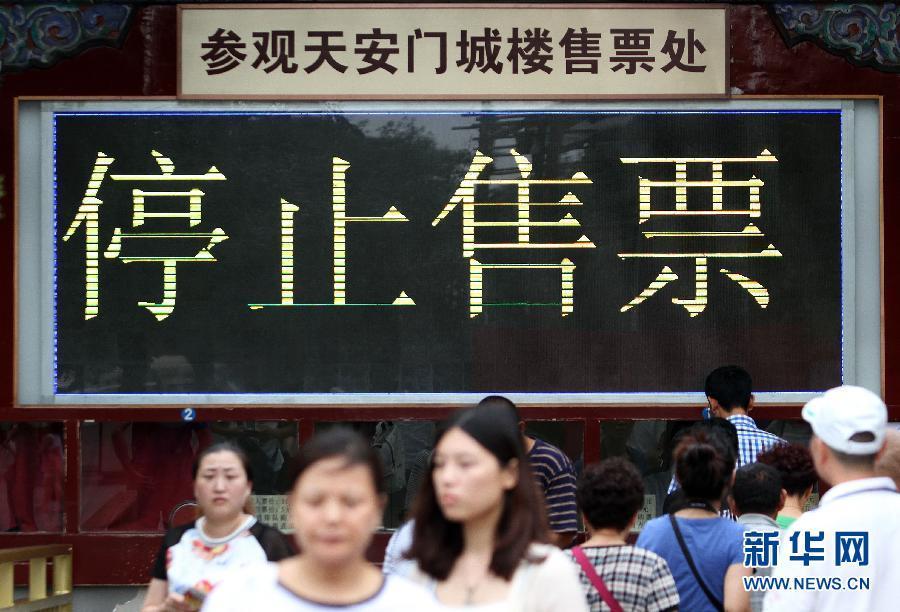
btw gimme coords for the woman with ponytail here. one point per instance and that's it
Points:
(703, 550)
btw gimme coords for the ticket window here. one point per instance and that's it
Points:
(137, 476)
(32, 473)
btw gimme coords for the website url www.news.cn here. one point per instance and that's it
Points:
(771, 583)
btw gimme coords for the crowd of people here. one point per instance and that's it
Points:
(494, 525)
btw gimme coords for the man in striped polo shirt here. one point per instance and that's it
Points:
(555, 475)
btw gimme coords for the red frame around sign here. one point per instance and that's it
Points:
(146, 66)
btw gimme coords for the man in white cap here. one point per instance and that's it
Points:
(843, 556)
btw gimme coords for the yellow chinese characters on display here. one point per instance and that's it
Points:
(466, 197)
(483, 250)
(697, 304)
(339, 169)
(88, 215)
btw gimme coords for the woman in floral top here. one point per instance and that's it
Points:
(195, 557)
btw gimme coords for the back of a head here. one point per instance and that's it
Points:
(610, 493)
(703, 465)
(889, 462)
(721, 433)
(498, 402)
(731, 386)
(794, 463)
(852, 423)
(757, 489)
(723, 430)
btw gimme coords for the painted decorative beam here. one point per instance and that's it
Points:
(39, 35)
(864, 34)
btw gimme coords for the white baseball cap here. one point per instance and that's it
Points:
(840, 413)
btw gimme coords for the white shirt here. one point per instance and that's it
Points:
(400, 542)
(870, 505)
(259, 589)
(550, 586)
(198, 562)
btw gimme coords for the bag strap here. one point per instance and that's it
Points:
(687, 555)
(588, 568)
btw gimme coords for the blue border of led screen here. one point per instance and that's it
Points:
(55, 266)
(449, 112)
(841, 250)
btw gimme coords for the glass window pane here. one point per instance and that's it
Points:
(137, 476)
(32, 475)
(794, 431)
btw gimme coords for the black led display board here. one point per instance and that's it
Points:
(445, 252)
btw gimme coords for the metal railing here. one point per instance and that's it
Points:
(38, 599)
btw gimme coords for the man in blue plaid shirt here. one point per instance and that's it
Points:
(730, 396)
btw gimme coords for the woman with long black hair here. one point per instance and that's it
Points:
(480, 532)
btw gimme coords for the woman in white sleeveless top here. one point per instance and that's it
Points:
(480, 523)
